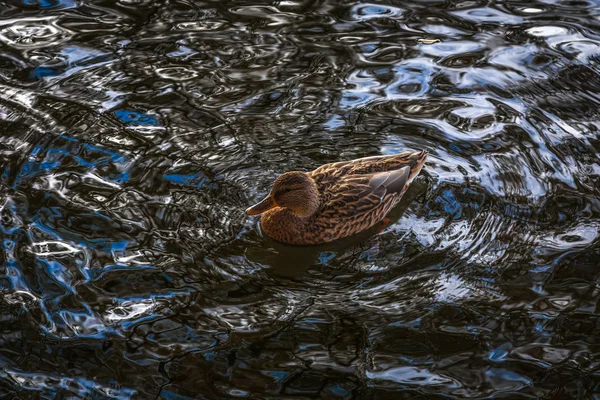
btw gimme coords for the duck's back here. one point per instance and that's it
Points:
(357, 194)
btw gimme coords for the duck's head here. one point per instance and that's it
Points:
(294, 190)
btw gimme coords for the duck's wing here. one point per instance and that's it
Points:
(354, 195)
(386, 163)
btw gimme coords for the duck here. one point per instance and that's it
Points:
(336, 200)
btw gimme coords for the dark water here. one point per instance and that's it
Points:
(134, 133)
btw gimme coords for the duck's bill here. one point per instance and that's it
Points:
(261, 207)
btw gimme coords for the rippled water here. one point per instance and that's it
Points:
(134, 133)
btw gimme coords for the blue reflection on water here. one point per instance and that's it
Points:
(48, 4)
(68, 61)
(135, 118)
(63, 150)
(325, 257)
(198, 180)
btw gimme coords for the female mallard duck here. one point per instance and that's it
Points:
(336, 200)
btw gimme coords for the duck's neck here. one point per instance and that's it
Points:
(310, 206)
(284, 225)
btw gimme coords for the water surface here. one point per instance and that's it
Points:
(134, 133)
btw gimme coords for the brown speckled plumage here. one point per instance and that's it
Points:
(336, 200)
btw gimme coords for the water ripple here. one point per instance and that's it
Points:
(133, 134)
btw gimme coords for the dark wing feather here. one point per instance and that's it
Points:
(397, 180)
(354, 195)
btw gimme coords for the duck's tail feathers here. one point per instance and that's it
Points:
(417, 162)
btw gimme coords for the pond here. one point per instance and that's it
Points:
(134, 134)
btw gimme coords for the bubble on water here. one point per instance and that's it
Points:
(285, 3)
(547, 31)
(369, 11)
(531, 10)
(199, 26)
(177, 73)
(350, 39)
(30, 33)
(428, 41)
